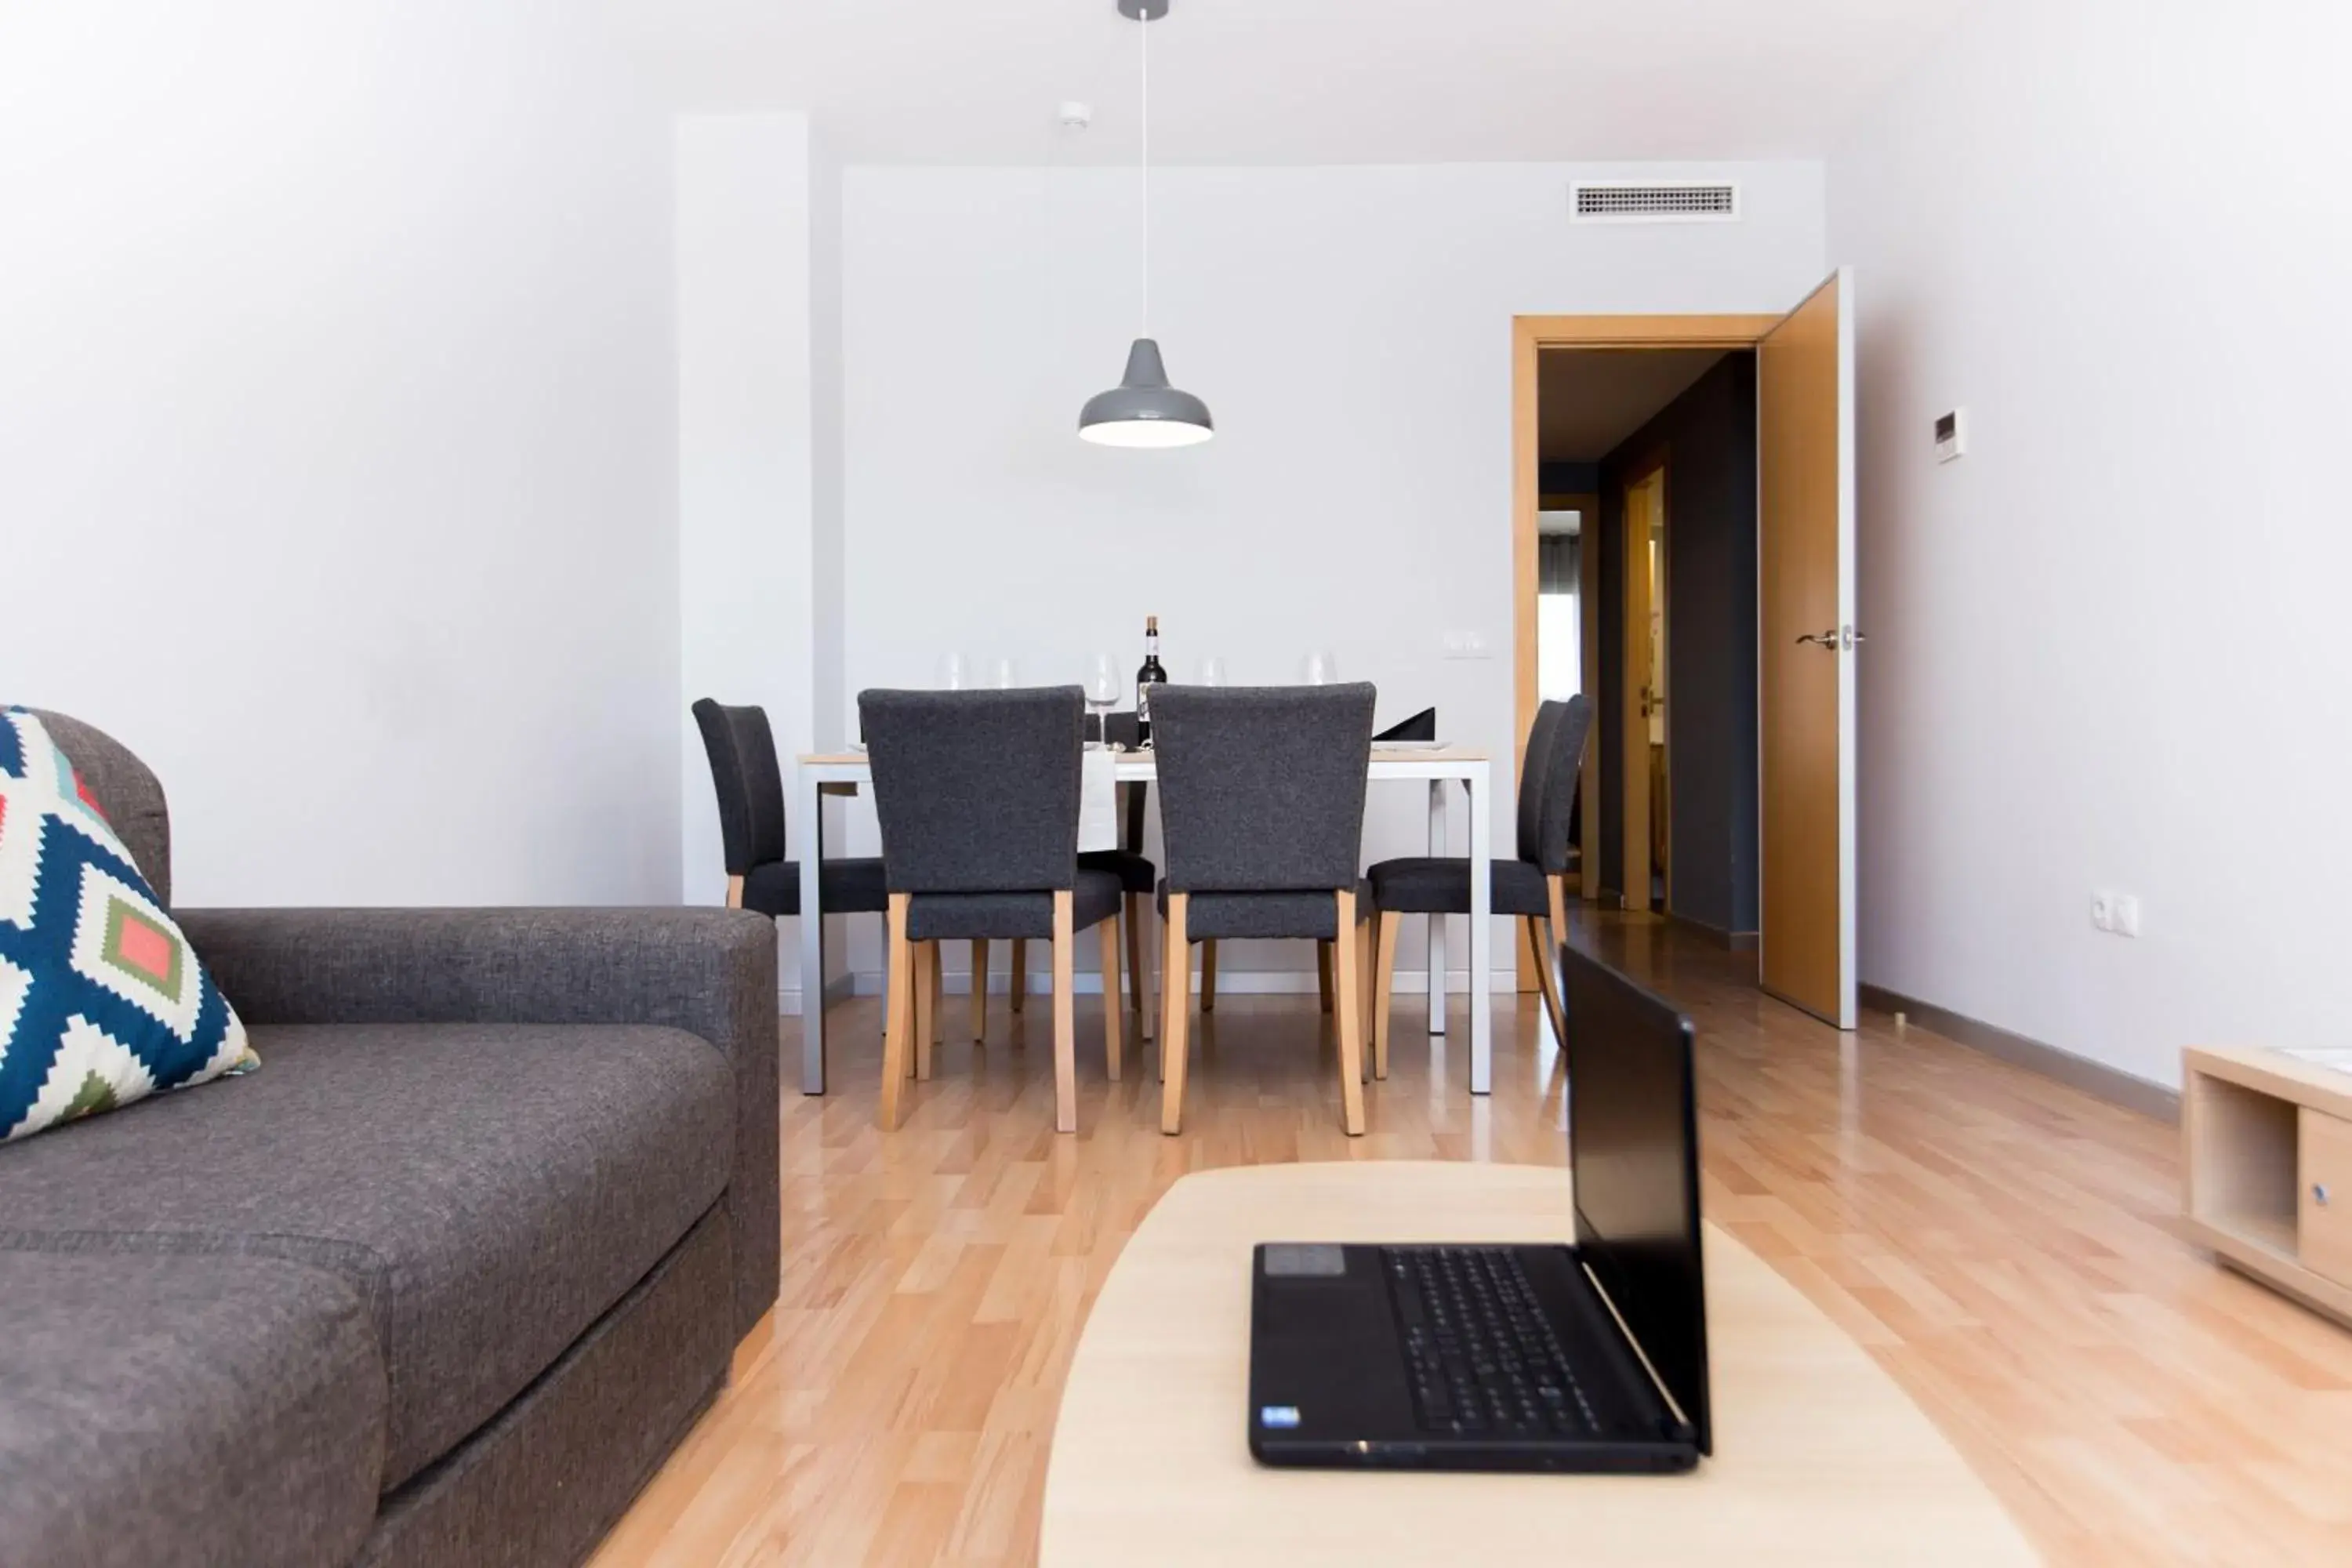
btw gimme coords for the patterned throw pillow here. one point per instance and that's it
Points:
(102, 1001)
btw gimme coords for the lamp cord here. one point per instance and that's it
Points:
(1143, 53)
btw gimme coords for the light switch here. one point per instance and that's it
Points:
(1467, 644)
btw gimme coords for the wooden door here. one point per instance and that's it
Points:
(1806, 664)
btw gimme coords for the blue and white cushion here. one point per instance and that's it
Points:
(102, 1001)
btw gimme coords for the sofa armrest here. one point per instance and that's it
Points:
(711, 973)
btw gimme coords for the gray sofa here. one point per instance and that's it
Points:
(441, 1284)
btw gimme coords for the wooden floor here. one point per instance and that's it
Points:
(2003, 1245)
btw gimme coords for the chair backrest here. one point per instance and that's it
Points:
(1261, 787)
(1421, 726)
(976, 791)
(1558, 818)
(127, 793)
(1534, 776)
(750, 781)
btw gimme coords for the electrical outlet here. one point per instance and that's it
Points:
(2102, 911)
(2126, 914)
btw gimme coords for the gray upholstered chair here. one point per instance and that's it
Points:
(1262, 810)
(750, 784)
(977, 794)
(1532, 886)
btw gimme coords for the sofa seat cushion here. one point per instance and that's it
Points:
(488, 1190)
(175, 1408)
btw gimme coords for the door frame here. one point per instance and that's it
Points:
(1635, 738)
(1530, 335)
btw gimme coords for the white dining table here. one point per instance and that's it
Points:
(1438, 767)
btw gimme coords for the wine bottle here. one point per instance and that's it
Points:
(1149, 676)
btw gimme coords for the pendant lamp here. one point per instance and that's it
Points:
(1143, 410)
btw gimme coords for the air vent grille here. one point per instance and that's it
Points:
(1655, 203)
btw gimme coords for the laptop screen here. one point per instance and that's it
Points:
(1634, 1151)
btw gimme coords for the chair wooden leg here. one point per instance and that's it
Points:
(1066, 1020)
(897, 1004)
(1175, 1013)
(1351, 1035)
(1323, 973)
(1020, 990)
(1208, 971)
(1138, 989)
(1545, 982)
(1361, 999)
(979, 989)
(938, 1004)
(1550, 966)
(927, 1004)
(1113, 1024)
(1384, 983)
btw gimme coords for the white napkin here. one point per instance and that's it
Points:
(1097, 801)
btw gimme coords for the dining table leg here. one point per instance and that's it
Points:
(812, 820)
(1481, 932)
(1437, 922)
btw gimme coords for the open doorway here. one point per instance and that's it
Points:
(1648, 836)
(1626, 432)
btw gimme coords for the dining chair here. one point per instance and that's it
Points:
(1533, 887)
(1137, 879)
(977, 795)
(750, 782)
(1262, 819)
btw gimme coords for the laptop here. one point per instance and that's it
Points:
(1590, 1357)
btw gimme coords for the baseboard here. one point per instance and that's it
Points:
(1729, 940)
(2096, 1078)
(1230, 982)
(840, 988)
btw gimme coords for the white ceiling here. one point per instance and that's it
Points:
(1588, 400)
(1293, 81)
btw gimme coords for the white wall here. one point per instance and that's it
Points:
(747, 624)
(336, 462)
(759, 464)
(1350, 330)
(2107, 649)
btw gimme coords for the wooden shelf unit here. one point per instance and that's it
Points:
(2266, 1148)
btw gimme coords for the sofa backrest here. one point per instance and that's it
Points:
(127, 792)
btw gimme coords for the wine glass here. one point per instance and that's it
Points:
(1212, 671)
(1005, 676)
(1105, 683)
(1319, 668)
(953, 674)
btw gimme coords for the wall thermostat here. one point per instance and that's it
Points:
(1951, 435)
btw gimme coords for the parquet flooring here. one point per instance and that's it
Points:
(2004, 1245)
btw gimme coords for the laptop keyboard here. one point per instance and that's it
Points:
(1479, 1352)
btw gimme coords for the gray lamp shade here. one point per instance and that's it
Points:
(1143, 410)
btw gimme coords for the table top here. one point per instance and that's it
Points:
(1144, 764)
(1820, 1456)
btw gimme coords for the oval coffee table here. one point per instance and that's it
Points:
(1819, 1456)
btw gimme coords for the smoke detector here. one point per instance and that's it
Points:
(1075, 116)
